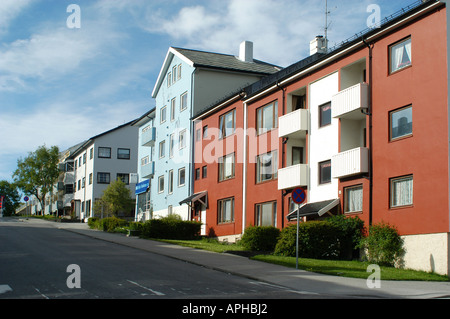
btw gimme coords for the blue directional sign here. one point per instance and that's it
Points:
(299, 195)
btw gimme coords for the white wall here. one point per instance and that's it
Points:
(324, 142)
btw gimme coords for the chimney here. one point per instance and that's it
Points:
(318, 45)
(246, 51)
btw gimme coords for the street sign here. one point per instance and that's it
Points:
(26, 198)
(299, 195)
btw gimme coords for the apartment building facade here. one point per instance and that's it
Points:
(189, 80)
(101, 160)
(363, 128)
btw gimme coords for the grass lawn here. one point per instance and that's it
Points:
(354, 269)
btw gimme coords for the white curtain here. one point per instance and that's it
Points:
(402, 192)
(398, 53)
(355, 199)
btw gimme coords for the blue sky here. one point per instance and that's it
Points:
(60, 86)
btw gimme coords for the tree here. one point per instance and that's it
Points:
(12, 197)
(38, 172)
(116, 200)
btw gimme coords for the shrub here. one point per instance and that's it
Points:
(260, 238)
(317, 240)
(170, 228)
(383, 245)
(109, 224)
(351, 231)
(93, 222)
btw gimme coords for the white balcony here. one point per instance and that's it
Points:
(293, 176)
(293, 122)
(148, 137)
(69, 178)
(349, 102)
(147, 171)
(349, 163)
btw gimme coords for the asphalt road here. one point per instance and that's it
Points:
(34, 263)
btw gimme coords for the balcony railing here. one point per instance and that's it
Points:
(148, 137)
(293, 122)
(349, 102)
(147, 171)
(349, 163)
(293, 176)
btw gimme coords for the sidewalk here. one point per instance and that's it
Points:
(298, 280)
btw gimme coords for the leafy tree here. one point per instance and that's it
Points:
(116, 200)
(12, 197)
(38, 172)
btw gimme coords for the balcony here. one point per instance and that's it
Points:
(350, 163)
(293, 176)
(348, 103)
(294, 122)
(69, 178)
(148, 137)
(147, 171)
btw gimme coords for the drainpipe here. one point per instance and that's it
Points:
(283, 154)
(369, 113)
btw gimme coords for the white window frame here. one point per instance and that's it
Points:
(163, 111)
(406, 191)
(160, 189)
(183, 101)
(355, 204)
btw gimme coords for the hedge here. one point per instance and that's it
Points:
(170, 228)
(260, 238)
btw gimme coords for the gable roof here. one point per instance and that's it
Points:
(214, 61)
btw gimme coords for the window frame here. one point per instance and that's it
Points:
(391, 191)
(121, 157)
(390, 55)
(163, 119)
(321, 115)
(182, 137)
(161, 189)
(220, 215)
(259, 211)
(100, 155)
(183, 96)
(222, 125)
(123, 176)
(258, 174)
(180, 170)
(346, 199)
(173, 106)
(162, 149)
(170, 182)
(321, 181)
(391, 113)
(99, 181)
(222, 167)
(260, 118)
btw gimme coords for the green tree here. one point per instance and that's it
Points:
(116, 200)
(38, 172)
(12, 197)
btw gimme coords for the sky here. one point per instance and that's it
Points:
(69, 73)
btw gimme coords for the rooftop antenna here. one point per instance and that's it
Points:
(327, 24)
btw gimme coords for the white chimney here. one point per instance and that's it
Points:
(318, 45)
(246, 51)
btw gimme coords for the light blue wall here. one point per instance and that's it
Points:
(181, 121)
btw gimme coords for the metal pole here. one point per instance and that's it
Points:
(296, 242)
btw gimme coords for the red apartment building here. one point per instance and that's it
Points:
(362, 127)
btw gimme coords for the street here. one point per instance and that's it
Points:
(35, 258)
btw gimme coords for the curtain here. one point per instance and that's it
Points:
(354, 200)
(402, 192)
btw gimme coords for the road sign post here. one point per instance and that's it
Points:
(299, 197)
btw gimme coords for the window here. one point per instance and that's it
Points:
(90, 178)
(84, 158)
(267, 117)
(325, 114)
(197, 174)
(198, 135)
(79, 184)
(266, 214)
(104, 152)
(79, 162)
(325, 172)
(161, 184)
(179, 72)
(267, 167)
(145, 160)
(171, 144)
(170, 182)
(353, 199)
(204, 171)
(226, 167)
(163, 114)
(124, 178)
(103, 178)
(225, 213)
(297, 155)
(162, 149)
(91, 153)
(169, 79)
(181, 177)
(401, 191)
(400, 55)
(183, 101)
(401, 123)
(172, 109)
(205, 131)
(182, 139)
(227, 124)
(123, 153)
(83, 182)
(174, 74)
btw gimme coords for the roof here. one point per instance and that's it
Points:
(213, 61)
(144, 118)
(319, 208)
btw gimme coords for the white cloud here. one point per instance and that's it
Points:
(9, 10)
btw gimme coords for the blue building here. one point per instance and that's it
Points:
(190, 81)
